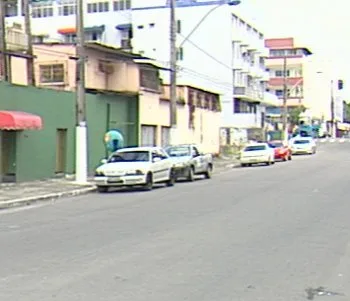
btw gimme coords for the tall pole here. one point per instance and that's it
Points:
(28, 31)
(173, 104)
(333, 129)
(285, 98)
(81, 127)
(3, 48)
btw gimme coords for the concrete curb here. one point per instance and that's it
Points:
(21, 202)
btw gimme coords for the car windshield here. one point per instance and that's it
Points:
(130, 156)
(178, 151)
(252, 148)
(301, 142)
(275, 144)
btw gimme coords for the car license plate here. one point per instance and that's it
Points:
(113, 179)
(253, 160)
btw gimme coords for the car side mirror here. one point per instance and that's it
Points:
(156, 159)
(104, 161)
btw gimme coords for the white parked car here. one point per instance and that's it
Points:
(256, 153)
(138, 166)
(303, 145)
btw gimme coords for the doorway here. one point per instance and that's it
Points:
(8, 156)
(61, 151)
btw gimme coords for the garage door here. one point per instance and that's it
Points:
(165, 136)
(148, 135)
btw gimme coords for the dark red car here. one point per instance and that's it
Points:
(282, 151)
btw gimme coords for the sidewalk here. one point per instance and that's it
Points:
(23, 194)
(222, 162)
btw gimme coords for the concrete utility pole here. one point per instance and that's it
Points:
(81, 127)
(3, 48)
(28, 31)
(173, 73)
(333, 111)
(285, 98)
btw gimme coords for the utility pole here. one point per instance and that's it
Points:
(285, 98)
(81, 127)
(3, 48)
(333, 129)
(28, 31)
(173, 72)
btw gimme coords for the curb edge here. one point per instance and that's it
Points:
(21, 202)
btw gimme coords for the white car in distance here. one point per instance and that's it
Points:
(257, 153)
(138, 166)
(303, 145)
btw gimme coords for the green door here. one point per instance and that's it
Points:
(8, 156)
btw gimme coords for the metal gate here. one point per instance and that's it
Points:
(165, 136)
(148, 135)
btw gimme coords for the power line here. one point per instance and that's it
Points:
(208, 54)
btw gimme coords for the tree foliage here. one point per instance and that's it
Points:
(294, 114)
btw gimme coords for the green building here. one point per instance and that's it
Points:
(37, 130)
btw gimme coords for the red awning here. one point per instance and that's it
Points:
(15, 120)
(69, 30)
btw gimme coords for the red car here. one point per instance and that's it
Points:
(282, 151)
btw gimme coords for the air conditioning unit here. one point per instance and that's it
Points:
(105, 67)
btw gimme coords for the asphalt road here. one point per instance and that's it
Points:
(259, 233)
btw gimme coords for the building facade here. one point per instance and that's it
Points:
(106, 21)
(287, 64)
(144, 29)
(37, 130)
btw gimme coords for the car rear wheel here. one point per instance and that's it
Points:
(172, 179)
(209, 171)
(190, 174)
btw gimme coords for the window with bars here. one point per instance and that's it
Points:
(51, 74)
(98, 7)
(67, 9)
(121, 5)
(42, 11)
(149, 79)
(11, 8)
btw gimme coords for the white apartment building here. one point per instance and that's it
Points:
(105, 21)
(225, 54)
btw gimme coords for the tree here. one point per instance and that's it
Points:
(294, 114)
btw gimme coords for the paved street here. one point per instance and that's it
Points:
(259, 233)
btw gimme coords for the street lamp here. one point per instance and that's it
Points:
(230, 3)
(173, 58)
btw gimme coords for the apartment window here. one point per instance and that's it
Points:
(41, 11)
(121, 5)
(279, 73)
(52, 74)
(98, 7)
(275, 52)
(67, 9)
(178, 26)
(180, 54)
(11, 8)
(149, 79)
(279, 93)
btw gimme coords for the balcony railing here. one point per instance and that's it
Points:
(248, 93)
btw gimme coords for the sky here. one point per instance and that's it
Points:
(320, 25)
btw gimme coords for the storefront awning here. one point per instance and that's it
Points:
(124, 26)
(16, 120)
(73, 30)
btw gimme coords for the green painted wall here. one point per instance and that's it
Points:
(36, 150)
